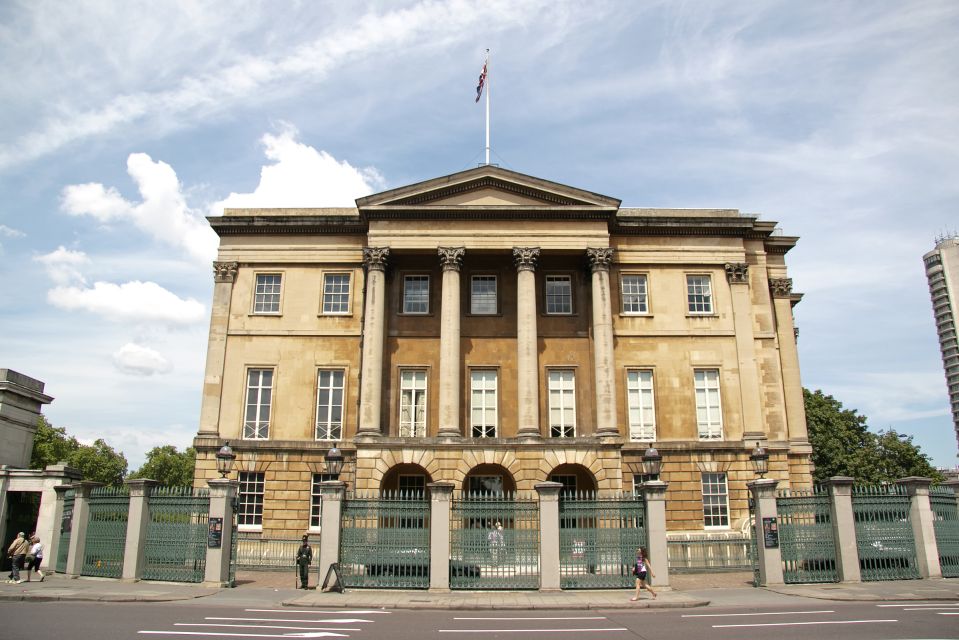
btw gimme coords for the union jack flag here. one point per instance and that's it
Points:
(482, 82)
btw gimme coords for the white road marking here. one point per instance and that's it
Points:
(919, 604)
(769, 613)
(319, 634)
(264, 626)
(929, 608)
(343, 621)
(576, 618)
(530, 630)
(324, 612)
(798, 624)
(949, 614)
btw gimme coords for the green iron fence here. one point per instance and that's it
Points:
(66, 528)
(256, 553)
(106, 532)
(598, 538)
(385, 540)
(946, 513)
(806, 536)
(484, 556)
(884, 538)
(691, 553)
(176, 534)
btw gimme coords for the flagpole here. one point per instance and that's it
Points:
(487, 104)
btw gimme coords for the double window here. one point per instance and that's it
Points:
(259, 400)
(715, 501)
(562, 403)
(249, 510)
(483, 295)
(559, 295)
(633, 293)
(709, 414)
(416, 294)
(483, 392)
(266, 296)
(412, 403)
(640, 406)
(329, 404)
(336, 293)
(699, 294)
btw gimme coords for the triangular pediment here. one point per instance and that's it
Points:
(486, 187)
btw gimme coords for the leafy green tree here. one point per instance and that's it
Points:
(171, 468)
(98, 462)
(843, 445)
(51, 445)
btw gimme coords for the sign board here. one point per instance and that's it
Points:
(334, 572)
(215, 538)
(770, 533)
(66, 521)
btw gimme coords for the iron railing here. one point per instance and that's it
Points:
(598, 539)
(884, 538)
(257, 553)
(176, 535)
(946, 523)
(703, 553)
(806, 536)
(66, 528)
(106, 532)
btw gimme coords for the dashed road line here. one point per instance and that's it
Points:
(799, 624)
(767, 613)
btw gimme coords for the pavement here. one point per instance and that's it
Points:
(694, 590)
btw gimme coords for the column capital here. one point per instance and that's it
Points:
(375, 258)
(781, 287)
(737, 272)
(525, 258)
(225, 271)
(451, 258)
(599, 258)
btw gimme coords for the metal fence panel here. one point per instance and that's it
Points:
(176, 535)
(385, 541)
(806, 536)
(66, 528)
(257, 553)
(887, 548)
(482, 559)
(598, 539)
(946, 513)
(106, 532)
(697, 554)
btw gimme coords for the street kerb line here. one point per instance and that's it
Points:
(798, 624)
(263, 626)
(531, 630)
(769, 613)
(551, 618)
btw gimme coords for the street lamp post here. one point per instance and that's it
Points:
(334, 462)
(760, 461)
(652, 462)
(224, 460)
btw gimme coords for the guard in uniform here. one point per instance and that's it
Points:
(304, 558)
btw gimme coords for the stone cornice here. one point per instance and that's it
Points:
(285, 224)
(487, 212)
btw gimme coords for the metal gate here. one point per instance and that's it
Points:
(806, 536)
(176, 534)
(66, 528)
(385, 540)
(598, 539)
(106, 532)
(887, 549)
(494, 542)
(946, 522)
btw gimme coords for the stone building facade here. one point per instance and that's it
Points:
(498, 330)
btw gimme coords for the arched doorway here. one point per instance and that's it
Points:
(407, 479)
(575, 478)
(490, 479)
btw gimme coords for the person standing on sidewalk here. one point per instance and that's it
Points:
(642, 570)
(17, 552)
(304, 558)
(35, 557)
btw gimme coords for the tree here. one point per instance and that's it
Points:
(843, 445)
(168, 466)
(98, 462)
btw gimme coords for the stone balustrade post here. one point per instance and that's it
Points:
(923, 525)
(223, 493)
(332, 495)
(78, 524)
(549, 535)
(769, 558)
(844, 528)
(52, 545)
(441, 494)
(654, 495)
(138, 519)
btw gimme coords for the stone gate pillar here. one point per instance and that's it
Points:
(332, 494)
(223, 492)
(654, 494)
(844, 528)
(923, 525)
(549, 535)
(138, 519)
(441, 494)
(770, 559)
(79, 522)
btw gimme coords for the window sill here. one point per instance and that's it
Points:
(623, 314)
(702, 315)
(265, 315)
(250, 528)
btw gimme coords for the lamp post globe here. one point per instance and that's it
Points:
(334, 462)
(224, 460)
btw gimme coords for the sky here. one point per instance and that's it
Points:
(125, 124)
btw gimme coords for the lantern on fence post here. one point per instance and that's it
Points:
(224, 460)
(334, 462)
(760, 461)
(652, 463)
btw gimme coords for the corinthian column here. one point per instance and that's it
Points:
(781, 289)
(451, 259)
(224, 275)
(527, 378)
(604, 373)
(374, 325)
(737, 274)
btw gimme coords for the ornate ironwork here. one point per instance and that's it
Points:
(806, 537)
(484, 556)
(66, 528)
(884, 538)
(598, 539)
(946, 523)
(385, 540)
(106, 532)
(176, 535)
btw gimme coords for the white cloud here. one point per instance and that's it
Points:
(163, 213)
(141, 361)
(10, 233)
(890, 397)
(129, 302)
(63, 265)
(302, 176)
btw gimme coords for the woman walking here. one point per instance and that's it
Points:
(641, 569)
(35, 557)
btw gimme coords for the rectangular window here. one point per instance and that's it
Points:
(259, 399)
(316, 503)
(634, 293)
(249, 510)
(715, 501)
(416, 294)
(266, 297)
(329, 405)
(562, 403)
(412, 404)
(411, 486)
(559, 295)
(699, 294)
(639, 479)
(639, 399)
(483, 295)
(483, 403)
(336, 293)
(709, 415)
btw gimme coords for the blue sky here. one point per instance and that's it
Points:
(125, 124)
